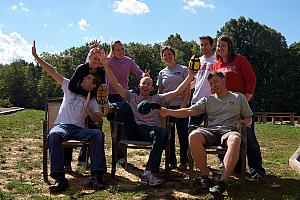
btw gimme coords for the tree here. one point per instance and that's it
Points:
(267, 51)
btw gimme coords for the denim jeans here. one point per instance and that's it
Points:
(64, 132)
(154, 134)
(253, 148)
(68, 151)
(182, 131)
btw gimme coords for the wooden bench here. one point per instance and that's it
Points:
(132, 144)
(51, 109)
(262, 117)
(221, 150)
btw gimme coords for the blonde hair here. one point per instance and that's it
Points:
(91, 52)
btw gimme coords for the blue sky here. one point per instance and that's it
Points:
(57, 25)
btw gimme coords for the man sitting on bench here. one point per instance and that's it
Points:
(69, 125)
(227, 112)
(144, 127)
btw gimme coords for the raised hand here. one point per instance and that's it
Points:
(33, 50)
(95, 44)
(103, 57)
(146, 73)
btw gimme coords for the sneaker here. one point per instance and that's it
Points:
(171, 166)
(96, 182)
(182, 167)
(61, 184)
(255, 174)
(121, 161)
(147, 178)
(204, 182)
(219, 188)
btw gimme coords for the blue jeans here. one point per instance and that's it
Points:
(154, 134)
(182, 131)
(253, 148)
(64, 132)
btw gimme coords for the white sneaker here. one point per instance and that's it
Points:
(121, 161)
(147, 178)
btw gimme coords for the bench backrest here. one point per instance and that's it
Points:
(53, 105)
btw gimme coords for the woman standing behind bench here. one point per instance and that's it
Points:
(168, 80)
(240, 77)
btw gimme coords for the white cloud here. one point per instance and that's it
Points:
(14, 7)
(20, 6)
(192, 5)
(83, 24)
(25, 9)
(12, 47)
(131, 7)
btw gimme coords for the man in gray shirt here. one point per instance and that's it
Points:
(227, 112)
(145, 127)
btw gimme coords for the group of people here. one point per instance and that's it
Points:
(223, 91)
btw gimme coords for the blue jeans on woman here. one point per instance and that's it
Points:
(182, 131)
(253, 148)
(64, 132)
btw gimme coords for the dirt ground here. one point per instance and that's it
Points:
(22, 161)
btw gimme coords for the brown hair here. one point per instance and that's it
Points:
(215, 73)
(163, 48)
(207, 37)
(112, 47)
(231, 50)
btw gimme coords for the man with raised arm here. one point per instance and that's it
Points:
(145, 127)
(70, 125)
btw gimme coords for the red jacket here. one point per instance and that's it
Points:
(240, 76)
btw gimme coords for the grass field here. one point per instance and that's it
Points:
(21, 167)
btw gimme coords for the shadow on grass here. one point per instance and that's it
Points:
(176, 187)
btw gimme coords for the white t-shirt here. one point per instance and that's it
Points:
(202, 87)
(71, 110)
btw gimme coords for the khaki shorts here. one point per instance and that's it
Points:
(217, 136)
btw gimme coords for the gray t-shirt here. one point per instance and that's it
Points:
(223, 111)
(170, 78)
(152, 118)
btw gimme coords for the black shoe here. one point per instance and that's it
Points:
(204, 182)
(219, 188)
(96, 182)
(68, 169)
(172, 166)
(61, 185)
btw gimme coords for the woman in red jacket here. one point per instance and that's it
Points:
(240, 77)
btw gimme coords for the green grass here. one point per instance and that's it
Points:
(21, 133)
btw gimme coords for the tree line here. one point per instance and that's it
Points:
(277, 66)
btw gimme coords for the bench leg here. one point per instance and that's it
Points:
(191, 169)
